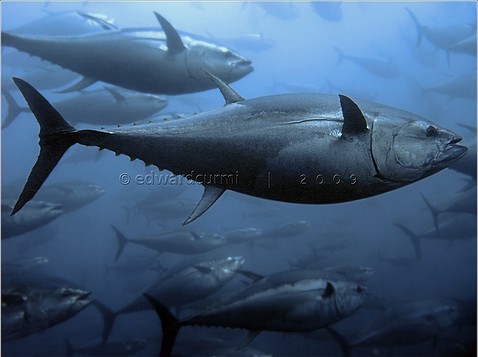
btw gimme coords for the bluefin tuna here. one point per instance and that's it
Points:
(303, 148)
(71, 195)
(30, 309)
(455, 227)
(409, 324)
(67, 23)
(297, 301)
(187, 282)
(35, 215)
(180, 242)
(108, 106)
(142, 59)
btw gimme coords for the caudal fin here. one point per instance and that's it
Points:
(55, 139)
(415, 238)
(433, 211)
(169, 324)
(418, 26)
(122, 241)
(109, 318)
(13, 109)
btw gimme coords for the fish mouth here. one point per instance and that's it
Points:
(453, 152)
(82, 299)
(243, 66)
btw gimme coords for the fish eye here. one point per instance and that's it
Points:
(432, 131)
(360, 289)
(66, 293)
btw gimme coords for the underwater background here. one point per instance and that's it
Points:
(372, 50)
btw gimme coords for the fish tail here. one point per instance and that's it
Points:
(55, 139)
(109, 318)
(13, 109)
(122, 241)
(418, 26)
(169, 324)
(415, 239)
(433, 211)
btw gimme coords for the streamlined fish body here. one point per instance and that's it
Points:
(303, 148)
(292, 301)
(146, 60)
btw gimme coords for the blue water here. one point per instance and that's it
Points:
(301, 57)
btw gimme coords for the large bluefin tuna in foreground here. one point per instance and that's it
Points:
(142, 59)
(303, 148)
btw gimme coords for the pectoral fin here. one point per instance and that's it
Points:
(210, 195)
(230, 95)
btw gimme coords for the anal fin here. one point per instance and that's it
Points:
(210, 195)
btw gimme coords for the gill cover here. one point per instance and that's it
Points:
(402, 150)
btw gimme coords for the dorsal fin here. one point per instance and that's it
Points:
(173, 40)
(329, 290)
(210, 195)
(354, 121)
(119, 98)
(230, 95)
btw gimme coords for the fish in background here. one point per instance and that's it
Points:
(296, 301)
(71, 195)
(468, 46)
(108, 106)
(442, 37)
(330, 11)
(462, 86)
(36, 214)
(67, 23)
(31, 309)
(377, 66)
(46, 75)
(370, 154)
(82, 155)
(42, 75)
(461, 202)
(143, 59)
(184, 242)
(17, 267)
(455, 227)
(188, 282)
(408, 324)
